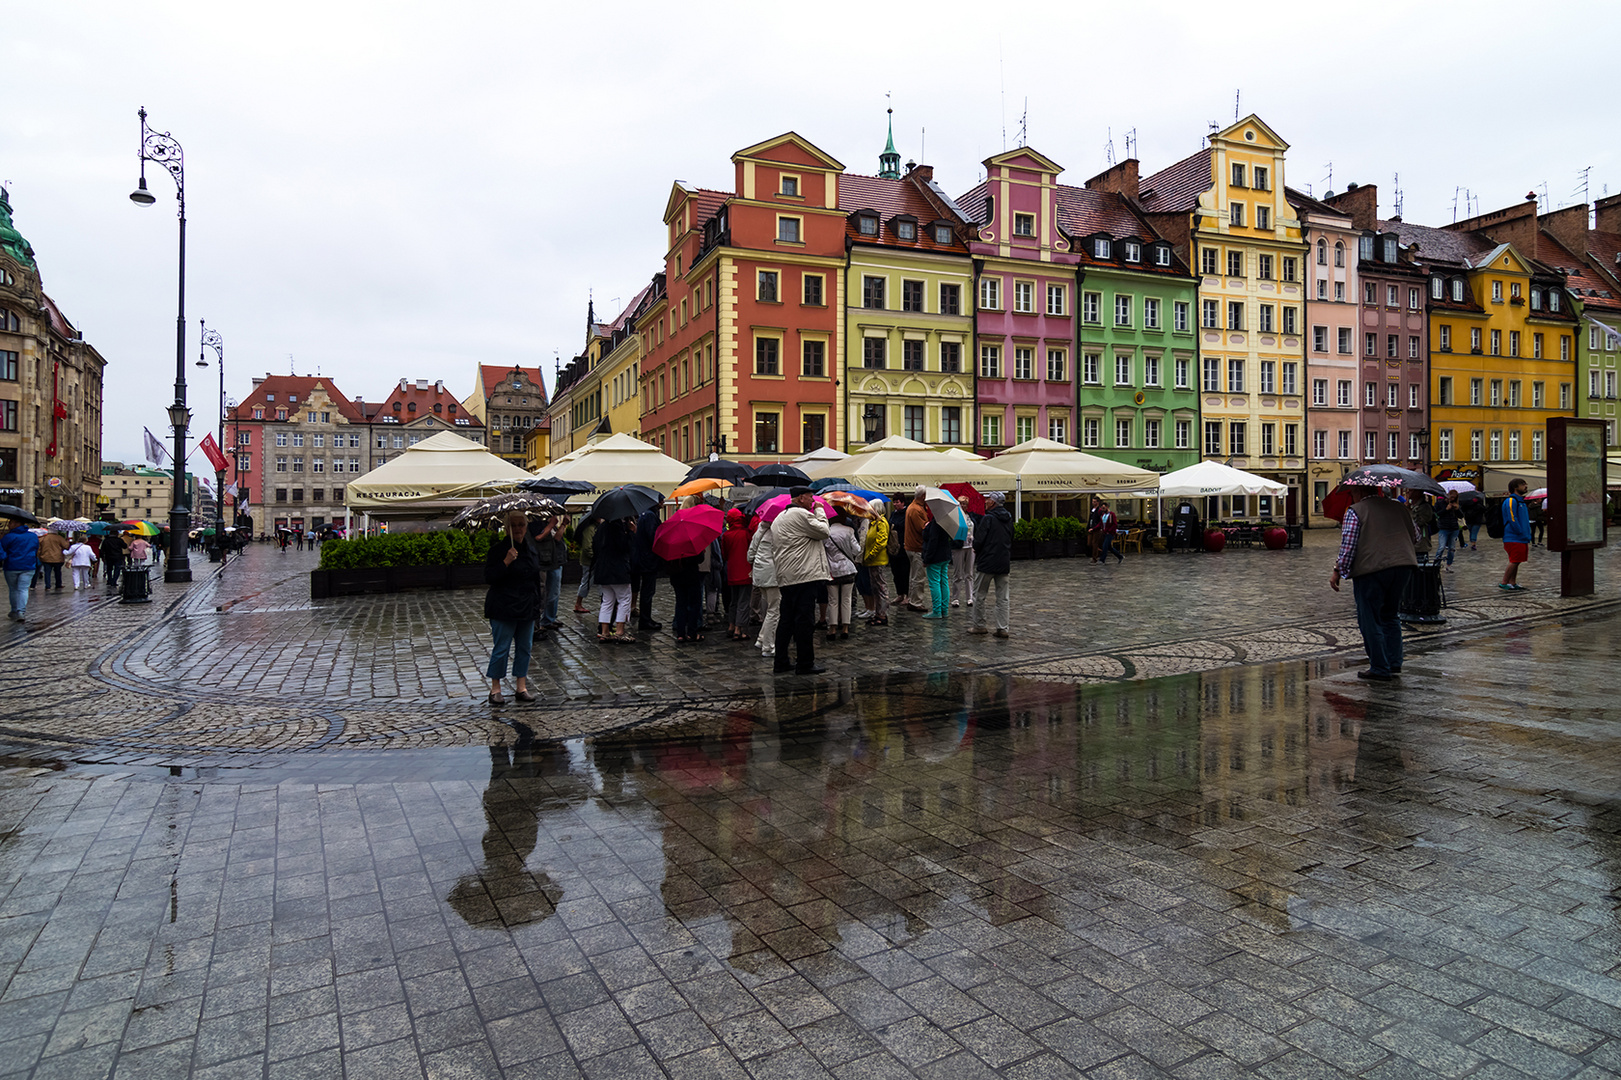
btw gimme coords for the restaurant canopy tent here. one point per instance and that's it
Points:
(1048, 466)
(1206, 478)
(619, 459)
(434, 478)
(898, 464)
(821, 453)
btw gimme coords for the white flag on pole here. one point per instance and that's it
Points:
(155, 453)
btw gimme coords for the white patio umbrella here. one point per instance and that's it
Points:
(1212, 478)
(821, 453)
(898, 464)
(1049, 466)
(619, 459)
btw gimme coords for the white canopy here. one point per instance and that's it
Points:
(1045, 465)
(619, 459)
(437, 469)
(821, 453)
(898, 464)
(1214, 478)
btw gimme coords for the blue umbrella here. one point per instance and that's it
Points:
(822, 487)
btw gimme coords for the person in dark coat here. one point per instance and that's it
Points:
(611, 568)
(512, 604)
(645, 567)
(993, 558)
(936, 556)
(553, 545)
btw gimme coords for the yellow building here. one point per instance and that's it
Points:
(600, 385)
(1224, 207)
(1502, 353)
(538, 448)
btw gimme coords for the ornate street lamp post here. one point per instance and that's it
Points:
(161, 147)
(211, 339)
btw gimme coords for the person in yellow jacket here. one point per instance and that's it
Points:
(875, 564)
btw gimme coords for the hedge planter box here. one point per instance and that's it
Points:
(1022, 549)
(389, 579)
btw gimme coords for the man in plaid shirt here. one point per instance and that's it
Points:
(1378, 551)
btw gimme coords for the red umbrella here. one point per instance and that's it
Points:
(687, 532)
(971, 500)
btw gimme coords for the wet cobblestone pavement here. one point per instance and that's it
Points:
(1163, 831)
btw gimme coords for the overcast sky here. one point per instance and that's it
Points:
(402, 189)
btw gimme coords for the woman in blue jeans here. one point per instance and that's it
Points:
(512, 571)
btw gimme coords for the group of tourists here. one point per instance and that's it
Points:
(35, 559)
(790, 575)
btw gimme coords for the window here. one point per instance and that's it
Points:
(1514, 343)
(298, 464)
(1089, 431)
(1514, 446)
(1235, 264)
(1182, 373)
(1553, 300)
(1024, 362)
(1057, 300)
(1446, 338)
(1392, 296)
(1238, 175)
(1370, 445)
(1319, 339)
(1212, 373)
(1477, 391)
(1412, 395)
(951, 424)
(813, 359)
(1263, 267)
(8, 416)
(1235, 438)
(1319, 444)
(765, 356)
(298, 438)
(867, 225)
(1370, 344)
(1150, 371)
(1134, 251)
(319, 439)
(942, 234)
(1269, 444)
(1413, 347)
(1536, 444)
(1290, 268)
(1209, 313)
(1537, 395)
(1162, 255)
(1392, 446)
(1393, 395)
(1122, 369)
(874, 352)
(905, 230)
(912, 418)
(1364, 250)
(1122, 433)
(1235, 315)
(1090, 303)
(790, 185)
(1342, 393)
(281, 438)
(1564, 346)
(1290, 382)
(872, 292)
(1592, 384)
(1497, 446)
(765, 432)
(1259, 173)
(1235, 215)
(767, 290)
(912, 355)
(951, 357)
(1322, 252)
(1443, 444)
(1184, 434)
(1344, 444)
(1212, 438)
(813, 290)
(990, 430)
(1122, 310)
(950, 299)
(1514, 393)
(1151, 434)
(1024, 224)
(1564, 396)
(1269, 370)
(1179, 315)
(1457, 290)
(244, 438)
(1235, 376)
(990, 361)
(1057, 365)
(1536, 299)
(1101, 248)
(1497, 343)
(1437, 288)
(911, 296)
(1474, 339)
(1339, 291)
(1207, 260)
(1089, 368)
(1497, 292)
(1414, 298)
(1024, 296)
(281, 494)
(1263, 217)
(1150, 313)
(1392, 346)
(788, 230)
(1319, 392)
(990, 293)
(318, 465)
(1609, 385)
(1268, 315)
(1370, 394)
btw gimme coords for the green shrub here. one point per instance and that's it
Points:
(444, 547)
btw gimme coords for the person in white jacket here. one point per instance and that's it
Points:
(762, 556)
(82, 557)
(843, 554)
(801, 564)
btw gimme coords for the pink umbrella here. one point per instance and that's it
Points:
(687, 532)
(772, 507)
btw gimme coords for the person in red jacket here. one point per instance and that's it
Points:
(734, 550)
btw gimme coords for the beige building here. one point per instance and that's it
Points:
(510, 403)
(50, 393)
(144, 492)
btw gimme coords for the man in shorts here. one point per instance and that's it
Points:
(1516, 533)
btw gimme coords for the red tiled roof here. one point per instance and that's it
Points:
(1177, 188)
(1084, 212)
(1603, 247)
(1439, 245)
(1308, 205)
(286, 387)
(972, 202)
(491, 375)
(1581, 280)
(891, 198)
(59, 321)
(407, 393)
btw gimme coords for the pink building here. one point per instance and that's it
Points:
(1334, 420)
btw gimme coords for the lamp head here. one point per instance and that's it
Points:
(142, 197)
(179, 415)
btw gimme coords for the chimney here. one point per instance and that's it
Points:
(1608, 213)
(405, 384)
(257, 380)
(1360, 202)
(1120, 179)
(924, 173)
(1569, 227)
(422, 384)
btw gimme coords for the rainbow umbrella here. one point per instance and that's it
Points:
(140, 528)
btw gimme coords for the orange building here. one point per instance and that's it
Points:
(742, 335)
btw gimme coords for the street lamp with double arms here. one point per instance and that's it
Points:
(161, 147)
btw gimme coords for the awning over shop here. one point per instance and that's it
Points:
(437, 470)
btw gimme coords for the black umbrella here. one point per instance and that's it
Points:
(1392, 476)
(493, 511)
(9, 511)
(778, 475)
(1470, 497)
(732, 471)
(753, 505)
(545, 485)
(627, 501)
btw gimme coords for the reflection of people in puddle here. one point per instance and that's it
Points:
(504, 890)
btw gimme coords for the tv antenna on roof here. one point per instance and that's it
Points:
(1582, 190)
(1396, 179)
(290, 370)
(1024, 124)
(1131, 143)
(1108, 146)
(1544, 204)
(1329, 179)
(1236, 95)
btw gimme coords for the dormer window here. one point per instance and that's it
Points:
(270, 397)
(867, 225)
(293, 398)
(258, 413)
(452, 408)
(942, 234)
(1100, 248)
(1437, 288)
(1536, 299)
(1134, 252)
(1364, 248)
(397, 406)
(411, 407)
(1553, 300)
(905, 229)
(1162, 255)
(1457, 290)
(1390, 249)
(437, 407)
(1024, 224)
(790, 185)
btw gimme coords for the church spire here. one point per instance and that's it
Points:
(889, 162)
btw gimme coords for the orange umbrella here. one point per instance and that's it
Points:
(849, 501)
(699, 486)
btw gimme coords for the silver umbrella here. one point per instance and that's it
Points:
(493, 511)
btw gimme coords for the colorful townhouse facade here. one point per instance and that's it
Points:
(1137, 348)
(1225, 210)
(599, 391)
(741, 345)
(1025, 277)
(909, 310)
(509, 403)
(297, 441)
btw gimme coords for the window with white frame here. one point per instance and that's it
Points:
(1210, 313)
(1370, 394)
(1150, 313)
(990, 430)
(1122, 310)
(1024, 296)
(1212, 373)
(1235, 376)
(1392, 395)
(1267, 313)
(1212, 438)
(1090, 302)
(990, 293)
(1122, 433)
(1089, 368)
(1179, 315)
(1151, 370)
(1184, 434)
(1290, 384)
(1269, 369)
(1057, 365)
(1496, 442)
(1514, 446)
(1412, 395)
(1122, 369)
(1151, 430)
(1344, 445)
(1089, 431)
(990, 361)
(1319, 392)
(1370, 445)
(1536, 440)
(1443, 443)
(1475, 443)
(1319, 444)
(1057, 300)
(1058, 429)
(1024, 362)
(1181, 370)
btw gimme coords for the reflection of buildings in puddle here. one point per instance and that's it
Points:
(504, 890)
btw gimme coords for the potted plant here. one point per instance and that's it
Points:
(1023, 539)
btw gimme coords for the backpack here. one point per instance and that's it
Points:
(1494, 521)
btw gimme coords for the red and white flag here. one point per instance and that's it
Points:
(211, 450)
